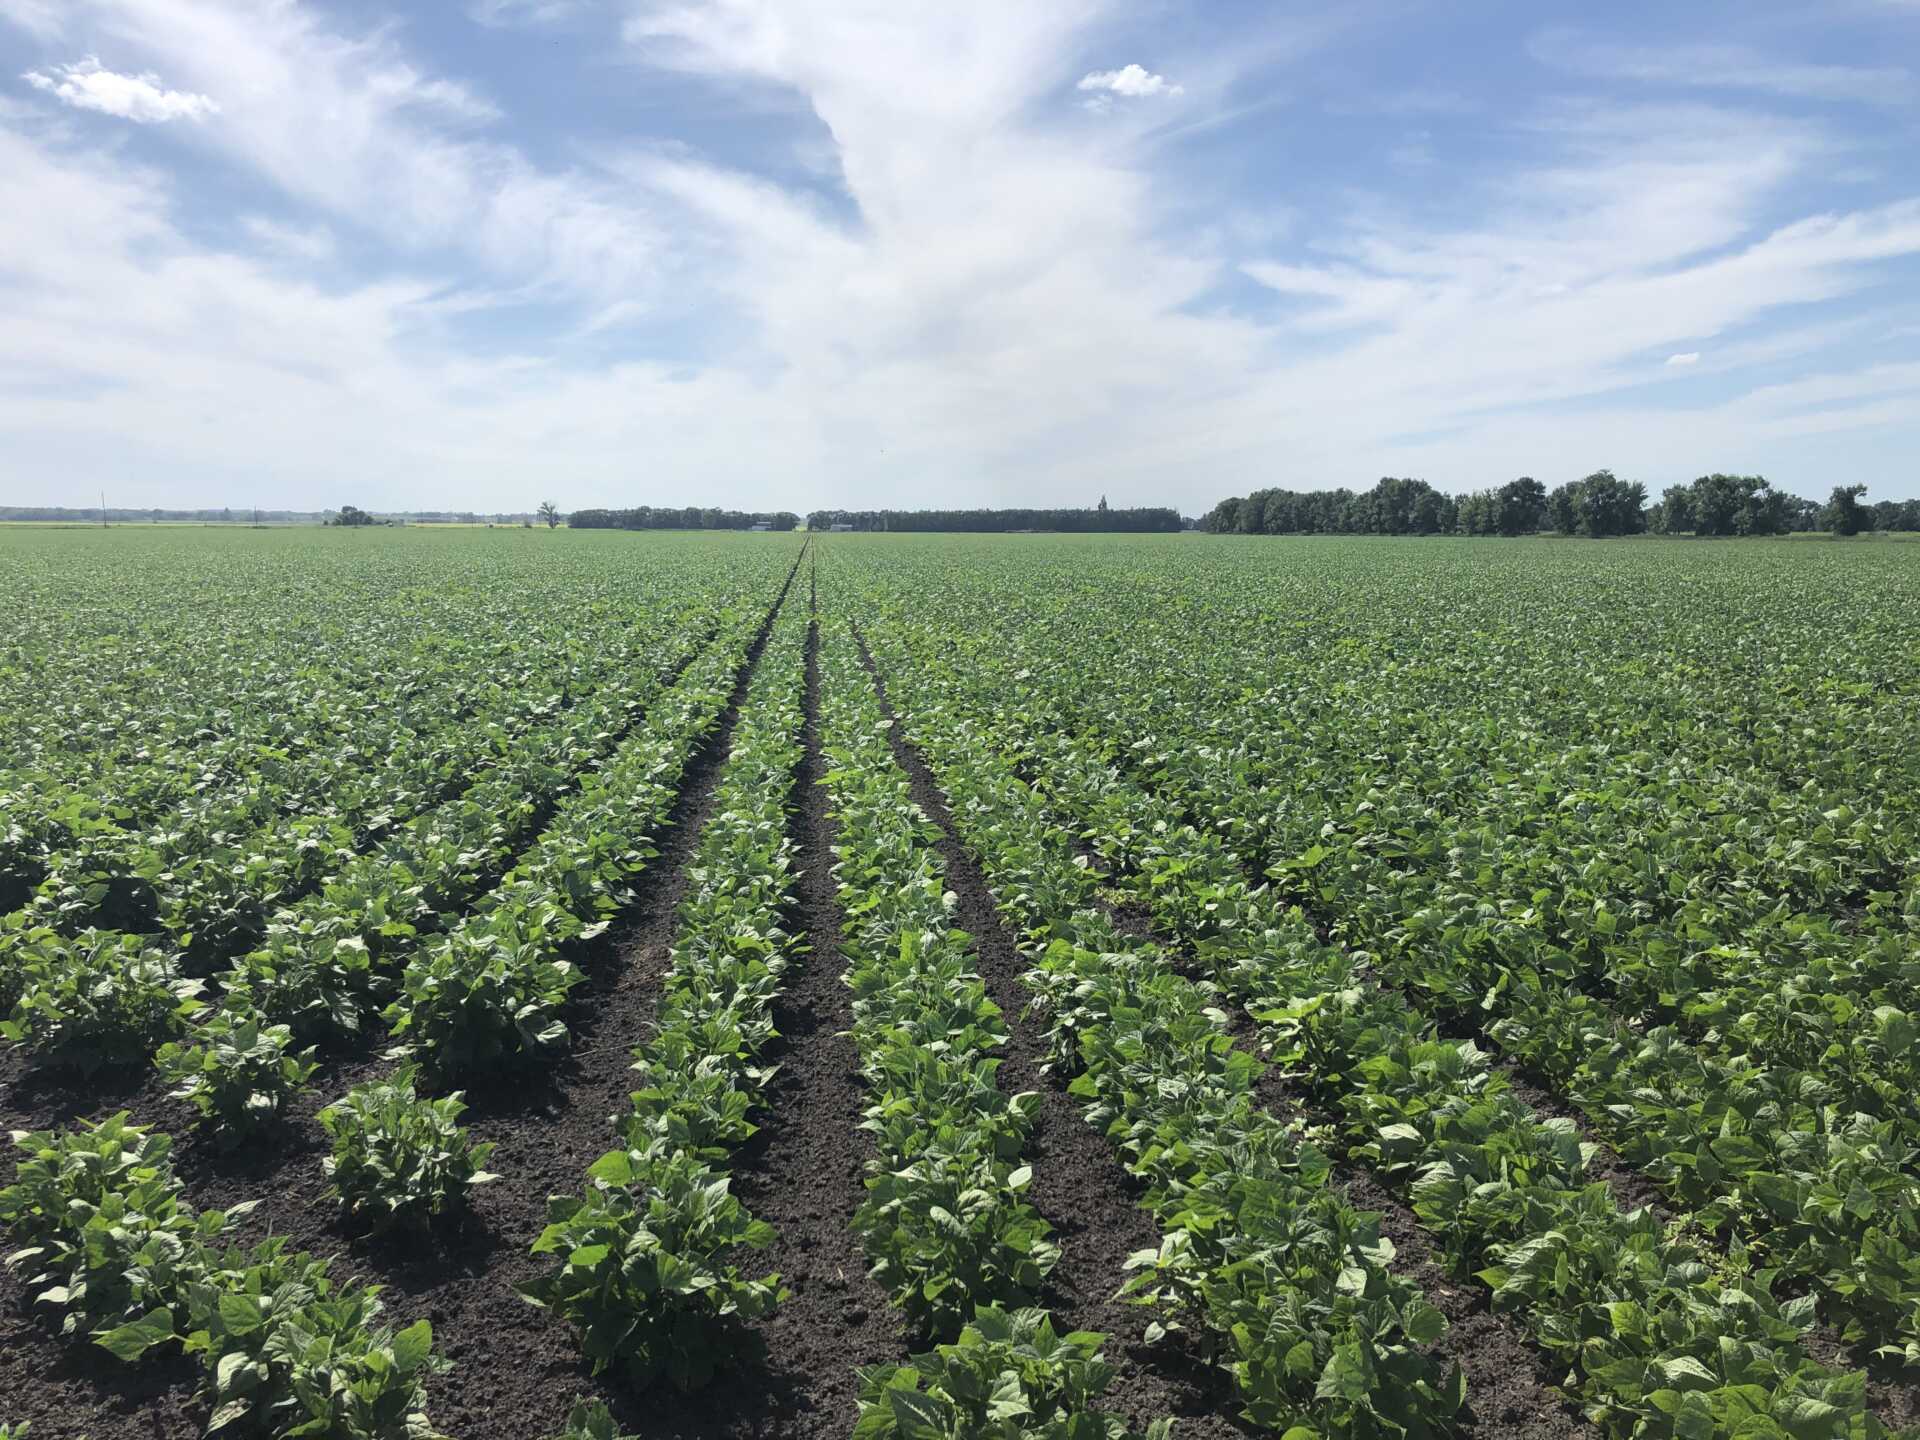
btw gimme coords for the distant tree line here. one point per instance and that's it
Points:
(227, 515)
(1156, 519)
(120, 515)
(1598, 506)
(672, 517)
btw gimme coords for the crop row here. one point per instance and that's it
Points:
(1774, 1148)
(209, 889)
(489, 990)
(1774, 1113)
(1662, 1343)
(490, 984)
(646, 1270)
(155, 661)
(1724, 928)
(305, 743)
(1288, 1283)
(945, 1223)
(105, 1239)
(103, 999)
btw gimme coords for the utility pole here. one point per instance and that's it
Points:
(103, 508)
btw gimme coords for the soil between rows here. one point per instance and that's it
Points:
(1892, 1394)
(517, 1370)
(804, 1173)
(1078, 1183)
(34, 1097)
(1510, 1393)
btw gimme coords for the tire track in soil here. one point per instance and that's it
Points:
(517, 1368)
(1079, 1185)
(1510, 1390)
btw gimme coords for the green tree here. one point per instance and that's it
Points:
(550, 513)
(1478, 513)
(1674, 514)
(1520, 506)
(1563, 508)
(1845, 515)
(1735, 505)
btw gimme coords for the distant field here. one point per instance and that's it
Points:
(1384, 987)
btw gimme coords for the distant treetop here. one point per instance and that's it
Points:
(673, 517)
(1151, 519)
(1598, 506)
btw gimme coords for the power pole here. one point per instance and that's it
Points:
(103, 508)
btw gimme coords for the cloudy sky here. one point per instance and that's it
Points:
(474, 253)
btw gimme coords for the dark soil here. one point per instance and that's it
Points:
(1631, 1188)
(1078, 1183)
(1495, 1392)
(1511, 1392)
(517, 1370)
(1893, 1394)
(34, 1097)
(1510, 1388)
(804, 1172)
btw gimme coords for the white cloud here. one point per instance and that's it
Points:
(88, 85)
(1683, 358)
(1132, 82)
(349, 124)
(983, 300)
(401, 85)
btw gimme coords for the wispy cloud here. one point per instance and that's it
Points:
(402, 86)
(501, 13)
(42, 19)
(1720, 67)
(426, 279)
(89, 85)
(351, 124)
(309, 244)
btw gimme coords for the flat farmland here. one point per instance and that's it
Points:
(526, 983)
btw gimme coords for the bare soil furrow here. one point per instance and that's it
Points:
(517, 1370)
(1078, 1183)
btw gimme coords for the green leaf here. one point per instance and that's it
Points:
(412, 1346)
(130, 1341)
(240, 1313)
(918, 1416)
(614, 1168)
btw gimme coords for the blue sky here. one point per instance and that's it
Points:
(759, 253)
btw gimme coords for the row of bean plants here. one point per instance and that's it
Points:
(1660, 1339)
(1261, 1251)
(647, 1269)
